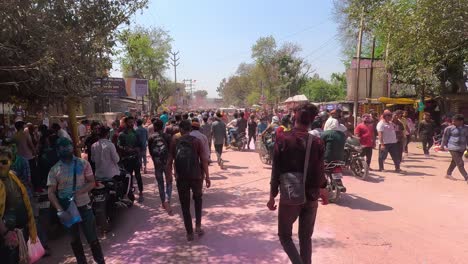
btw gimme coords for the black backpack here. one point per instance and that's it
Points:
(187, 161)
(159, 151)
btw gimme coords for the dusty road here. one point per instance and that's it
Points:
(419, 217)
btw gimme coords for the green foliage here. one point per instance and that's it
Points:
(145, 55)
(52, 49)
(320, 90)
(200, 94)
(425, 41)
(277, 74)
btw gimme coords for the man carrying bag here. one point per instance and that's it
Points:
(71, 179)
(298, 172)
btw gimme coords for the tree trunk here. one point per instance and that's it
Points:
(72, 104)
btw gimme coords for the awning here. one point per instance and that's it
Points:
(400, 101)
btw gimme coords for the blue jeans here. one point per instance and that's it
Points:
(143, 159)
(232, 134)
(159, 171)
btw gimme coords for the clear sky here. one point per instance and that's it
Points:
(215, 36)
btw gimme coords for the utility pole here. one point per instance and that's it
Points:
(358, 68)
(372, 67)
(190, 81)
(175, 63)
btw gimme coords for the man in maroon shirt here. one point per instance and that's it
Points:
(289, 156)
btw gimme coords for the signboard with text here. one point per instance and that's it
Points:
(111, 87)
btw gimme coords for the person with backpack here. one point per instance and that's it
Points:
(191, 168)
(158, 146)
(218, 130)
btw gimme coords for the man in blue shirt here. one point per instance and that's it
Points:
(455, 139)
(164, 118)
(143, 136)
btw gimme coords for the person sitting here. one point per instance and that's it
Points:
(334, 138)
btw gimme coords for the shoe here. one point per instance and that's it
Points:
(141, 199)
(190, 237)
(381, 170)
(399, 171)
(450, 177)
(199, 231)
(427, 155)
(47, 252)
(370, 169)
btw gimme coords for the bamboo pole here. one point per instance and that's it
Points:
(72, 104)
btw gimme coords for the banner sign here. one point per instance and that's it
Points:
(111, 87)
(141, 87)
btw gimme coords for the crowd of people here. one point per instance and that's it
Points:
(38, 159)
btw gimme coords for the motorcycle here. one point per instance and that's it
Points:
(354, 159)
(240, 142)
(333, 175)
(109, 195)
(263, 151)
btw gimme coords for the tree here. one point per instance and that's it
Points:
(320, 90)
(145, 55)
(54, 49)
(200, 94)
(422, 46)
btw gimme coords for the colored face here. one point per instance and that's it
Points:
(130, 123)
(65, 152)
(5, 164)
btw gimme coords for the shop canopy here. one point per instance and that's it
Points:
(397, 101)
(297, 99)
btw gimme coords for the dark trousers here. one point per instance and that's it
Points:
(457, 161)
(250, 138)
(132, 166)
(408, 140)
(287, 215)
(219, 150)
(35, 177)
(393, 149)
(367, 152)
(184, 187)
(164, 193)
(88, 226)
(427, 143)
(401, 147)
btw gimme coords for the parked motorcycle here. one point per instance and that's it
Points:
(354, 159)
(333, 175)
(263, 152)
(108, 195)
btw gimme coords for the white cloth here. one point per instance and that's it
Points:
(331, 124)
(388, 132)
(104, 155)
(64, 134)
(81, 130)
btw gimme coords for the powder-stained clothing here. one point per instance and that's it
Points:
(61, 175)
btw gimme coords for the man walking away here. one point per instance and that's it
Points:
(196, 133)
(158, 146)
(365, 132)
(252, 128)
(388, 141)
(143, 136)
(129, 148)
(426, 133)
(205, 129)
(218, 131)
(90, 140)
(190, 167)
(292, 147)
(399, 132)
(61, 190)
(455, 139)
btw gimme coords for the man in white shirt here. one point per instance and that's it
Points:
(333, 120)
(82, 129)
(104, 155)
(388, 141)
(61, 133)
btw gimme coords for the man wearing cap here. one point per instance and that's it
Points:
(388, 141)
(196, 133)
